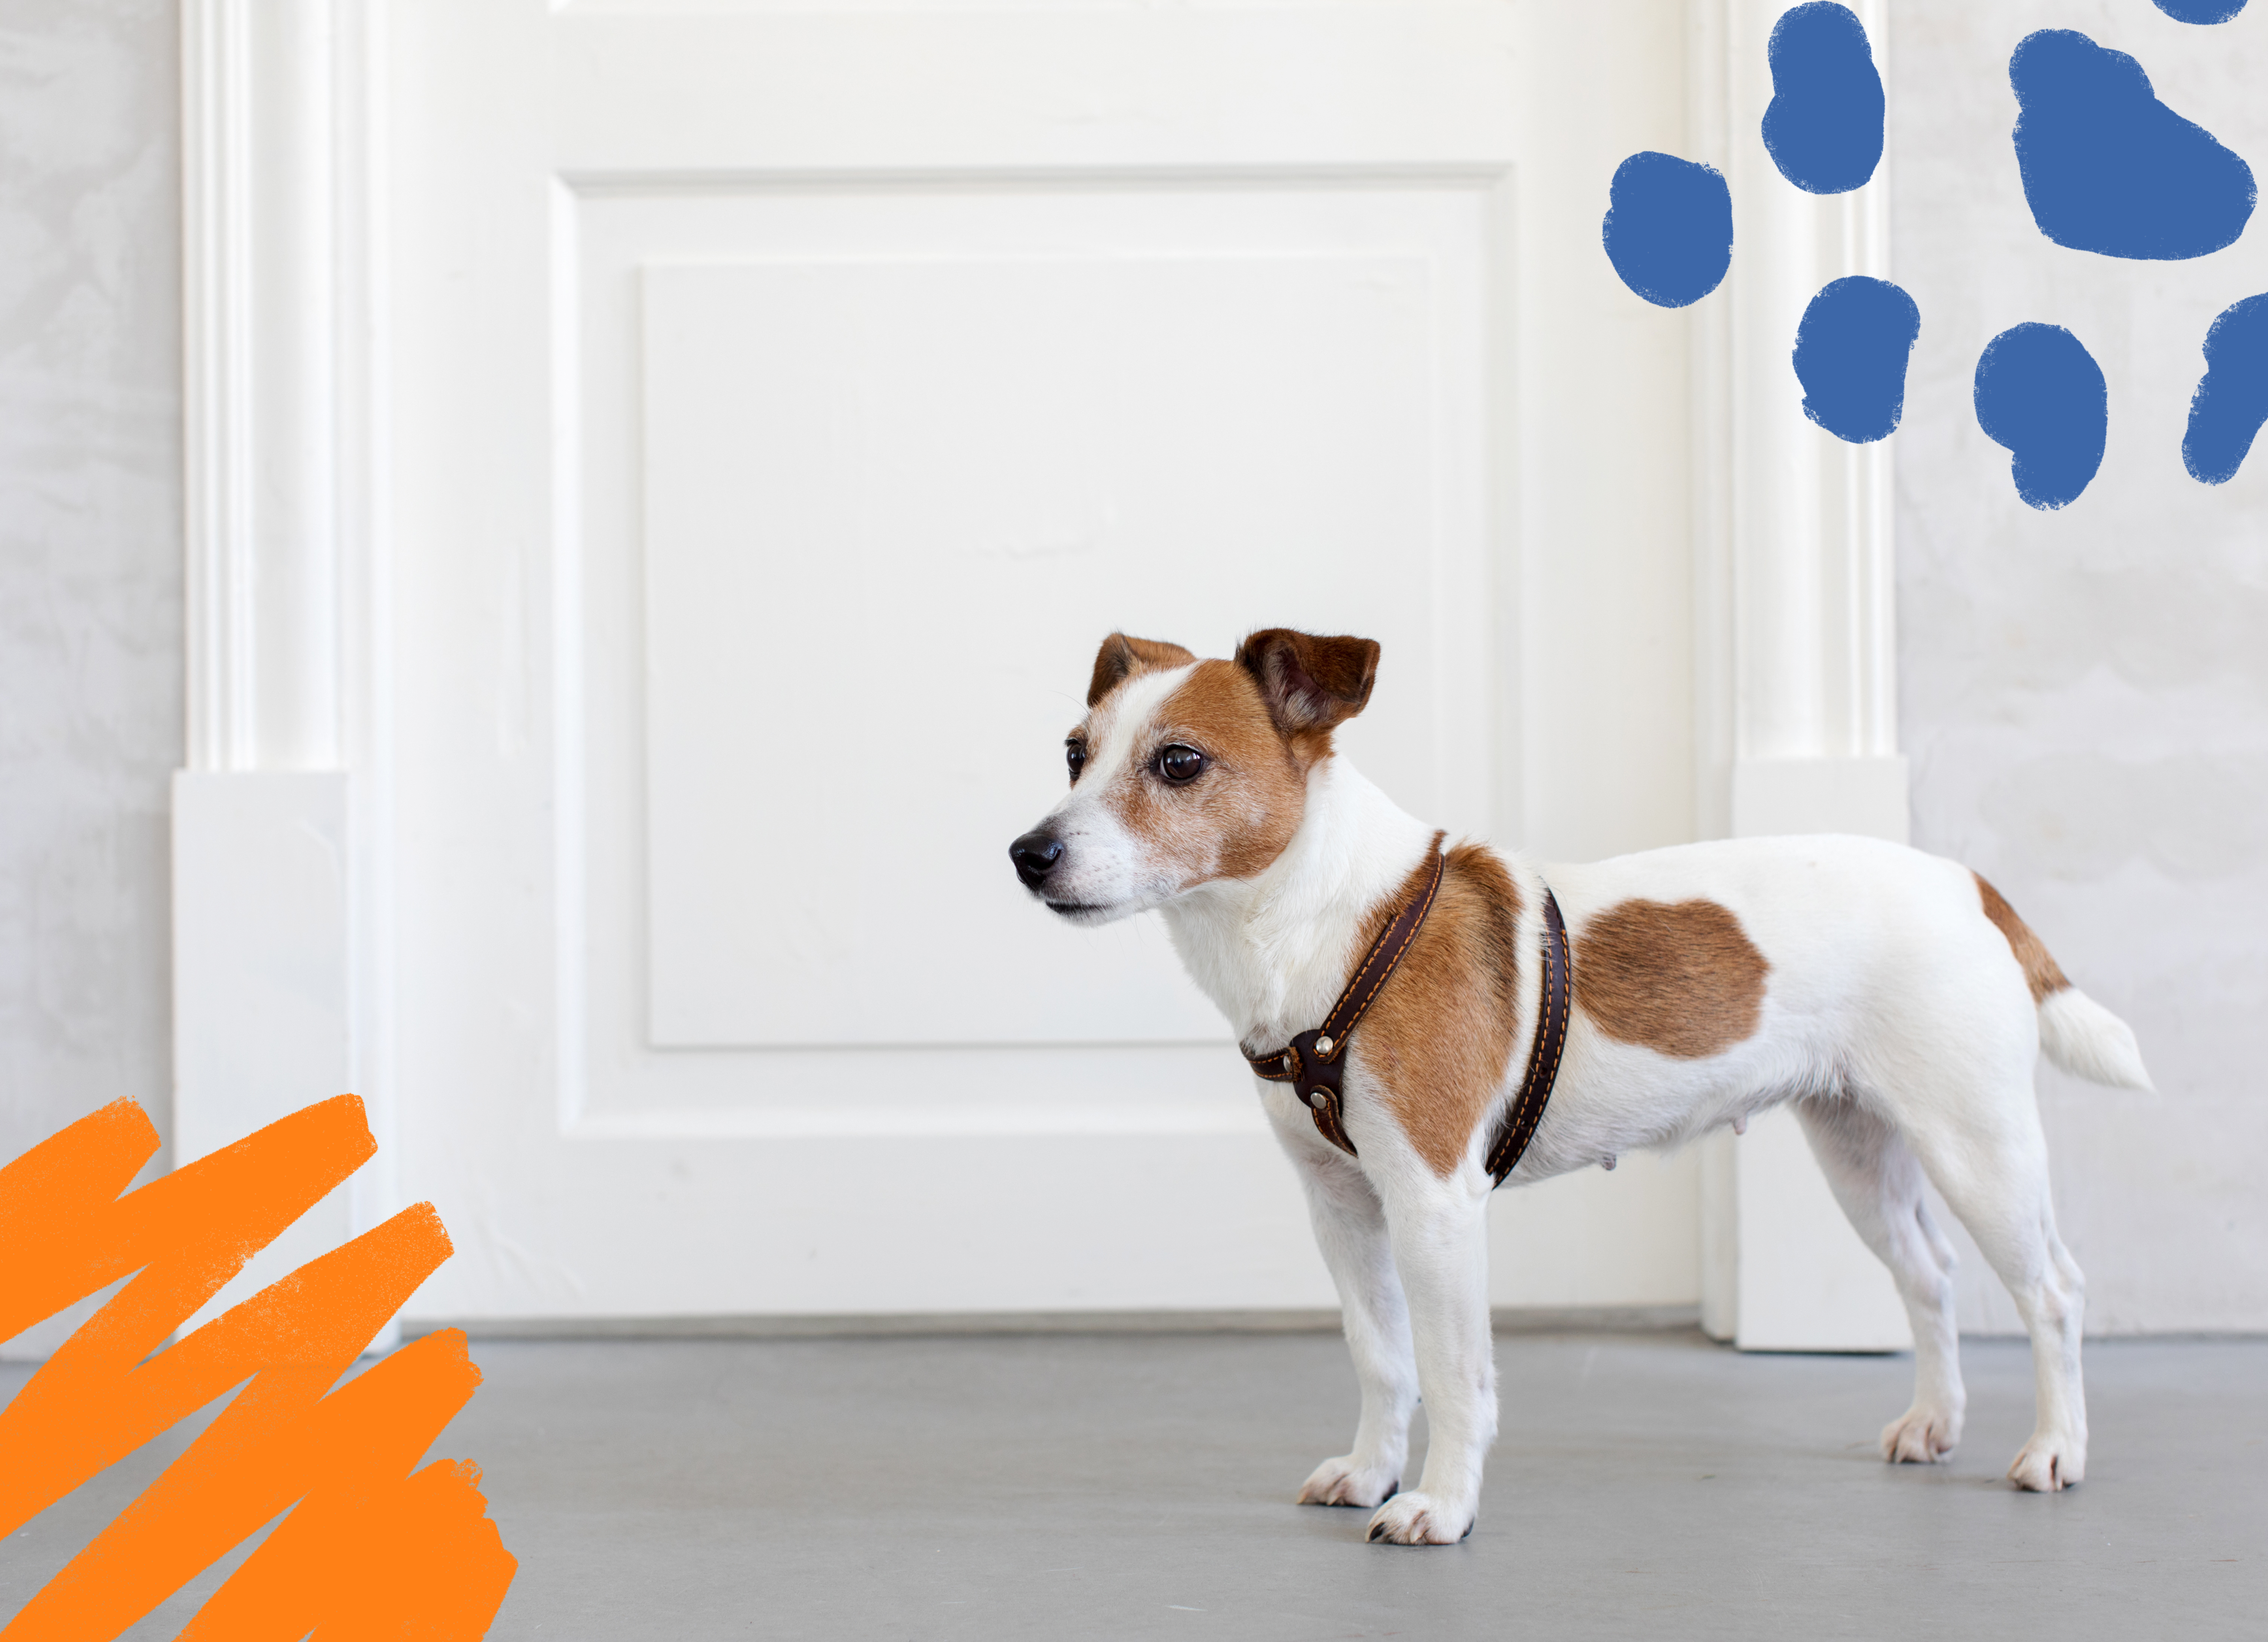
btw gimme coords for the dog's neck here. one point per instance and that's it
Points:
(1273, 951)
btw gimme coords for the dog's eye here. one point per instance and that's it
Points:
(1075, 756)
(1178, 763)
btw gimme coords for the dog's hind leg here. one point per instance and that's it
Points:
(1350, 1229)
(1878, 1181)
(1992, 1164)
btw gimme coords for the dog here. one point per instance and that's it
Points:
(1891, 997)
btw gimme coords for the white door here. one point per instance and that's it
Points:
(783, 402)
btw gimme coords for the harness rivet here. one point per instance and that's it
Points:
(1322, 1045)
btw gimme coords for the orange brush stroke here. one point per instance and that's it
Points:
(371, 1549)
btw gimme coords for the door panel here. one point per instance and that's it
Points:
(890, 506)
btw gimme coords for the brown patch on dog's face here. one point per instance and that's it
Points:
(1121, 658)
(2041, 973)
(1211, 790)
(1439, 1037)
(1682, 978)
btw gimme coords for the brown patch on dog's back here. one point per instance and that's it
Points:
(2041, 973)
(1439, 1037)
(1679, 978)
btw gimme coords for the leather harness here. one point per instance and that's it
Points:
(1314, 1063)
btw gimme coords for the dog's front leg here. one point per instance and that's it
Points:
(1350, 1229)
(1439, 1231)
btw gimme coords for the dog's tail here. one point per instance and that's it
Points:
(2089, 1042)
(2078, 1033)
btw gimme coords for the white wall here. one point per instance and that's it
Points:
(90, 565)
(89, 554)
(2085, 694)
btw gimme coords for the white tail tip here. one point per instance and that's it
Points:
(2089, 1042)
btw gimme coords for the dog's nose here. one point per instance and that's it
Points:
(1036, 855)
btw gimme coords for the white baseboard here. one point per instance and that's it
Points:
(262, 978)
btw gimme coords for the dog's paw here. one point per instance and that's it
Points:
(1920, 1436)
(2050, 1460)
(1416, 1519)
(1343, 1482)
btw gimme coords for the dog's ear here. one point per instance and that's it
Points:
(1120, 659)
(1309, 683)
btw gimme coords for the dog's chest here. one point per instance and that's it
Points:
(1269, 989)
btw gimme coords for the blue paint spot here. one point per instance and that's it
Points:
(2110, 168)
(1669, 228)
(2232, 401)
(1824, 126)
(2040, 392)
(1850, 356)
(2200, 11)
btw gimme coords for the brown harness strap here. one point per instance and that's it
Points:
(1312, 1062)
(1517, 1126)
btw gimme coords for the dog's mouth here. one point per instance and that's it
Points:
(1078, 909)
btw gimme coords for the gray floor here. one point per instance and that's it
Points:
(1133, 1486)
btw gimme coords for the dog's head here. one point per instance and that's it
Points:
(1184, 772)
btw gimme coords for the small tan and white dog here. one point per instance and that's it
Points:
(1891, 997)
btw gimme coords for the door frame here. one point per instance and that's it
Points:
(283, 570)
(285, 560)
